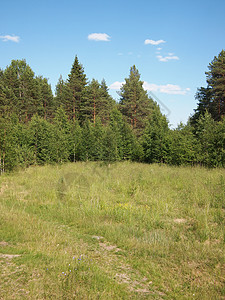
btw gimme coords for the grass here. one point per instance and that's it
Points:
(112, 231)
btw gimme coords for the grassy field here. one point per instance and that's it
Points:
(112, 231)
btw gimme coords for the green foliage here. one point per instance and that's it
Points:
(82, 122)
(48, 142)
(216, 81)
(24, 94)
(134, 102)
(48, 105)
(211, 136)
(154, 140)
(183, 147)
(98, 103)
(212, 98)
(71, 93)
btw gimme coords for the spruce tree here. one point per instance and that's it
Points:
(107, 103)
(46, 96)
(183, 146)
(154, 140)
(76, 82)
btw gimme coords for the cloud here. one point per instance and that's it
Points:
(11, 38)
(99, 37)
(116, 85)
(159, 49)
(167, 58)
(171, 89)
(155, 43)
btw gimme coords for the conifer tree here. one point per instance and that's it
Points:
(216, 81)
(183, 146)
(92, 104)
(45, 93)
(205, 103)
(76, 142)
(212, 98)
(134, 102)
(211, 137)
(19, 78)
(76, 83)
(98, 102)
(107, 103)
(154, 140)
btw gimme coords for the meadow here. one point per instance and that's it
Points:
(92, 230)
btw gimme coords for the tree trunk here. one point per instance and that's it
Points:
(45, 109)
(74, 109)
(3, 155)
(94, 111)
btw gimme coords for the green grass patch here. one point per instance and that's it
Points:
(112, 231)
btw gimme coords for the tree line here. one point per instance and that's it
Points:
(83, 122)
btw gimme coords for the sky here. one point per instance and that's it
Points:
(170, 42)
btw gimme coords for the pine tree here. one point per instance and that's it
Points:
(212, 98)
(216, 81)
(98, 102)
(91, 107)
(205, 103)
(134, 102)
(20, 81)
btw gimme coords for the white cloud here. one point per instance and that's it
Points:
(159, 49)
(99, 37)
(12, 38)
(171, 89)
(152, 42)
(167, 58)
(116, 85)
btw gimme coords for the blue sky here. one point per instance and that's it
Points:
(170, 42)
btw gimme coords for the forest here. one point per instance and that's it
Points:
(82, 122)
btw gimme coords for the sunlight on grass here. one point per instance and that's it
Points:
(112, 231)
